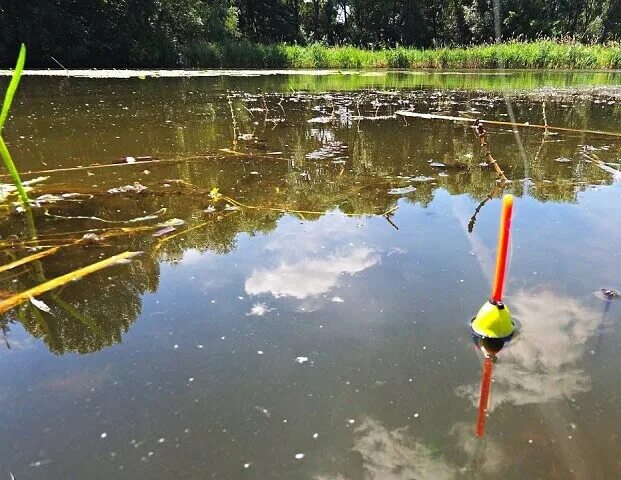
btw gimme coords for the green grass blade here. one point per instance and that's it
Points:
(6, 106)
(8, 161)
(10, 92)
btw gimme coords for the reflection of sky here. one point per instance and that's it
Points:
(398, 455)
(306, 263)
(310, 276)
(395, 455)
(543, 363)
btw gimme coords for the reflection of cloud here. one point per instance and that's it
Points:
(259, 309)
(394, 455)
(311, 276)
(489, 458)
(542, 363)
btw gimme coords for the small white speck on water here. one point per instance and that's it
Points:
(315, 435)
(222, 338)
(241, 298)
(199, 346)
(573, 426)
(161, 440)
(530, 440)
(150, 454)
(409, 380)
(301, 360)
(175, 346)
(187, 430)
(191, 379)
(260, 352)
(570, 437)
(299, 456)
(337, 300)
(416, 415)
(351, 421)
(247, 465)
(284, 421)
(103, 435)
(213, 301)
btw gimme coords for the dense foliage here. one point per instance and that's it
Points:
(231, 32)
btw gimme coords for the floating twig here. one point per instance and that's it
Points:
(432, 116)
(483, 139)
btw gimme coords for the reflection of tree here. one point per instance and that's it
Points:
(377, 156)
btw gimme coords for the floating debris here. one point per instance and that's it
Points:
(299, 456)
(259, 309)
(422, 178)
(610, 293)
(41, 305)
(137, 187)
(264, 411)
(164, 231)
(337, 300)
(562, 160)
(173, 222)
(402, 190)
(320, 120)
(437, 164)
(329, 150)
(91, 238)
(301, 360)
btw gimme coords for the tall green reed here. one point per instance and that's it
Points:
(4, 113)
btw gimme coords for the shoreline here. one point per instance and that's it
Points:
(121, 73)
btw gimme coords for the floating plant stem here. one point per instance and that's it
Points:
(433, 116)
(24, 296)
(6, 106)
(28, 259)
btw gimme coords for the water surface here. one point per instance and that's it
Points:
(309, 319)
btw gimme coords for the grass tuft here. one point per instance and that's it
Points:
(540, 54)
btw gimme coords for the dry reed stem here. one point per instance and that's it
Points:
(431, 116)
(24, 296)
(28, 259)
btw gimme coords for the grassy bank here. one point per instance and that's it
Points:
(542, 54)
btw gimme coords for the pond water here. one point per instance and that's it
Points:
(309, 319)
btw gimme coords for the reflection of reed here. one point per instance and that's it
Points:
(493, 193)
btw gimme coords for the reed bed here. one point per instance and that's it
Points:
(546, 54)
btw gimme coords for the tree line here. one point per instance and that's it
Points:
(166, 32)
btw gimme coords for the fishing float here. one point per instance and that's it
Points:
(493, 326)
